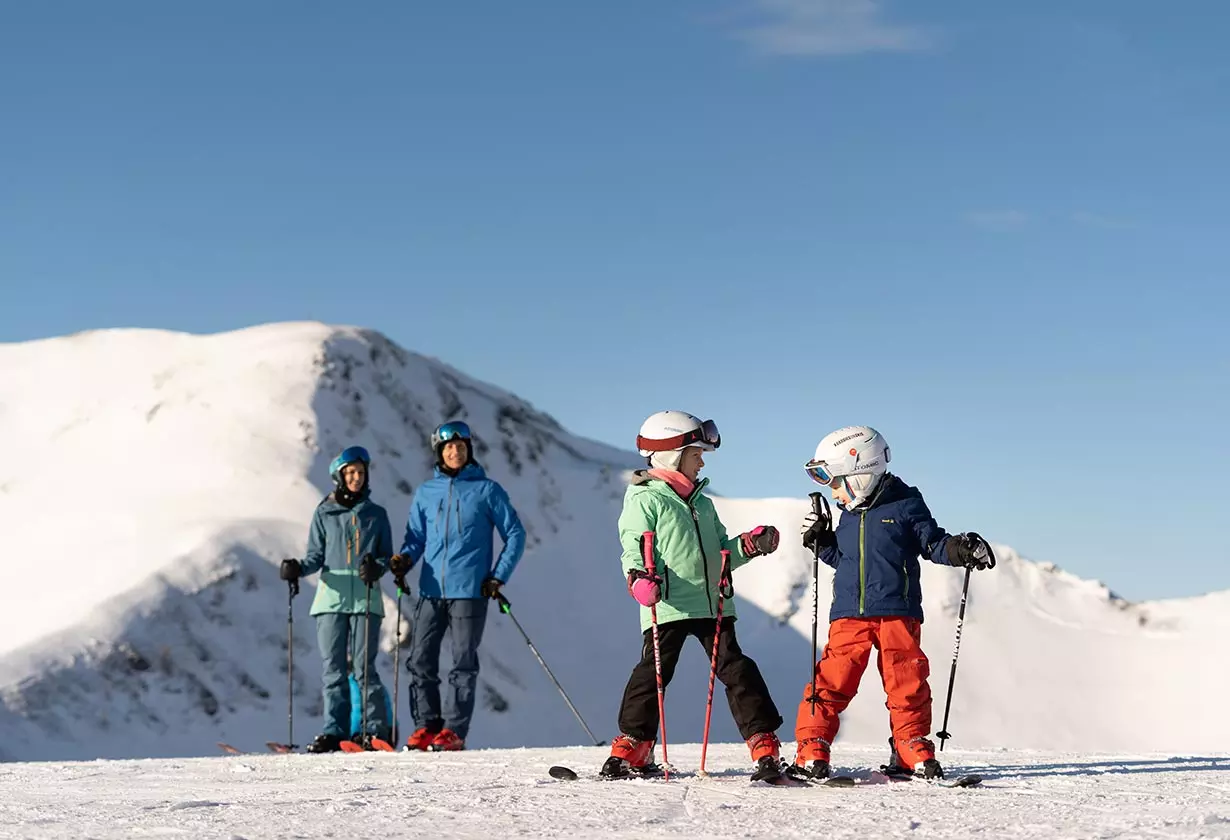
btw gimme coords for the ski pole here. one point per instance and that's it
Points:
(820, 506)
(293, 586)
(367, 662)
(982, 548)
(647, 554)
(725, 590)
(506, 608)
(396, 662)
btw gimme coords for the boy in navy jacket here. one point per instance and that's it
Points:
(877, 597)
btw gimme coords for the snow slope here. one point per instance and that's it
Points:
(507, 793)
(154, 480)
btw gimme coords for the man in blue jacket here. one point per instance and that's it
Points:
(450, 527)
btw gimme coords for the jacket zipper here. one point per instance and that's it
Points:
(444, 565)
(354, 524)
(862, 564)
(703, 557)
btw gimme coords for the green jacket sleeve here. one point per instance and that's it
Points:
(637, 517)
(732, 544)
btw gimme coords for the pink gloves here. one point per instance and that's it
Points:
(644, 587)
(760, 540)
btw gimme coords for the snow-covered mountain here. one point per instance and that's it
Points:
(151, 482)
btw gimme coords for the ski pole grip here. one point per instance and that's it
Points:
(820, 506)
(505, 606)
(647, 551)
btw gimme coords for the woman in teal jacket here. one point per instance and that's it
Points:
(350, 543)
(684, 583)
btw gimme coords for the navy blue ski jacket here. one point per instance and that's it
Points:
(877, 551)
(450, 529)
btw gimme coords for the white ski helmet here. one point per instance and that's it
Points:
(856, 453)
(669, 431)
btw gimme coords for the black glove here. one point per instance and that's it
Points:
(491, 587)
(369, 570)
(971, 551)
(291, 570)
(399, 564)
(817, 532)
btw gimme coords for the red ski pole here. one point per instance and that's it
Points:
(723, 588)
(647, 555)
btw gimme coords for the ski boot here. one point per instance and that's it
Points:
(629, 757)
(929, 769)
(766, 755)
(421, 738)
(811, 760)
(325, 743)
(447, 741)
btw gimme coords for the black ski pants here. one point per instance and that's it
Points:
(746, 692)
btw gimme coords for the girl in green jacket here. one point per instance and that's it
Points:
(685, 552)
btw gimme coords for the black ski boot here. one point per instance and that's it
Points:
(895, 766)
(768, 768)
(931, 769)
(325, 743)
(615, 768)
(813, 770)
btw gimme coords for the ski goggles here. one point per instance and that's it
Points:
(455, 430)
(820, 473)
(706, 434)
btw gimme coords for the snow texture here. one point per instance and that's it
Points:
(507, 793)
(152, 482)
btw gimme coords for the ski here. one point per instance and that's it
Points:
(654, 771)
(965, 781)
(374, 745)
(273, 746)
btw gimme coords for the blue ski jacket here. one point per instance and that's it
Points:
(450, 529)
(877, 551)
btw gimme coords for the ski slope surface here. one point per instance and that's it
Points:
(507, 793)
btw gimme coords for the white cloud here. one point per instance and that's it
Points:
(998, 220)
(830, 27)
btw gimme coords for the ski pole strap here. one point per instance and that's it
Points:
(294, 587)
(726, 587)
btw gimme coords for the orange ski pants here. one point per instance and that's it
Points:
(903, 668)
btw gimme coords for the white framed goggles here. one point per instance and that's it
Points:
(820, 473)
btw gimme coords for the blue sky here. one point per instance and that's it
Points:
(997, 232)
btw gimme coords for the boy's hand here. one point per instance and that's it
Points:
(971, 551)
(817, 531)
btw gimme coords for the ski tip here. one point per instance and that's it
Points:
(280, 748)
(562, 773)
(839, 781)
(972, 780)
(229, 749)
(382, 745)
(351, 747)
